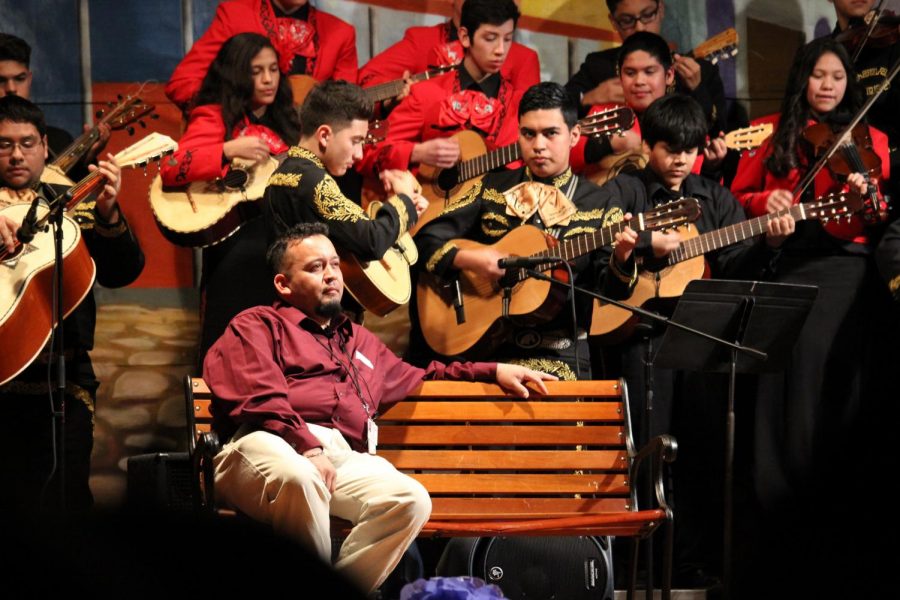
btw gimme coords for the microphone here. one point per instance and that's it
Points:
(29, 227)
(525, 262)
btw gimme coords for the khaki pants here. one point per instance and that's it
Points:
(264, 477)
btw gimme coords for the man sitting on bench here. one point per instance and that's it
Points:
(296, 389)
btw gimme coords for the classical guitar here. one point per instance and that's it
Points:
(487, 305)
(302, 84)
(204, 213)
(128, 111)
(668, 277)
(381, 285)
(443, 187)
(26, 274)
(719, 47)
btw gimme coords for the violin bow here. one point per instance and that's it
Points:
(876, 12)
(839, 140)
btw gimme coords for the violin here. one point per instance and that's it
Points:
(878, 31)
(855, 154)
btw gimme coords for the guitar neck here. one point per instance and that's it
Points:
(572, 248)
(392, 89)
(732, 234)
(479, 165)
(76, 150)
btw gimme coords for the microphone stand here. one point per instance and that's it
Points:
(735, 348)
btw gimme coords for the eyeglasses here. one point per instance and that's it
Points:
(626, 22)
(27, 145)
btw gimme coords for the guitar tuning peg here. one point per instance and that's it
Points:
(130, 130)
(98, 114)
(142, 124)
(119, 96)
(154, 116)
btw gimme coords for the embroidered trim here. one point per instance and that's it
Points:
(562, 179)
(588, 215)
(84, 215)
(438, 255)
(613, 216)
(578, 231)
(285, 179)
(333, 205)
(553, 367)
(298, 152)
(400, 206)
(466, 200)
(492, 195)
(894, 284)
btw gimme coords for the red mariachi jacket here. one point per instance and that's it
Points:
(438, 108)
(424, 47)
(753, 182)
(331, 56)
(199, 156)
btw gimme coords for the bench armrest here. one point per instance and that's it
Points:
(660, 450)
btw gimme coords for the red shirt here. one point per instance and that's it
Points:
(424, 47)
(276, 369)
(199, 156)
(332, 56)
(753, 182)
(439, 108)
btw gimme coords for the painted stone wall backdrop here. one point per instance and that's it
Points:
(141, 356)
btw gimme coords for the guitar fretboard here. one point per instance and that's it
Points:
(732, 234)
(391, 89)
(469, 169)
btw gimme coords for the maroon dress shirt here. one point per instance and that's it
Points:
(276, 369)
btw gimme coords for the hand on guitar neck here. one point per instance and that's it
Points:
(403, 182)
(103, 133)
(439, 152)
(248, 147)
(106, 202)
(607, 92)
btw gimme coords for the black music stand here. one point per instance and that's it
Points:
(763, 316)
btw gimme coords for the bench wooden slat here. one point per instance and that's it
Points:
(504, 410)
(478, 389)
(466, 435)
(531, 460)
(631, 523)
(455, 483)
(500, 509)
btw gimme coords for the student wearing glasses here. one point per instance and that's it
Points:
(597, 81)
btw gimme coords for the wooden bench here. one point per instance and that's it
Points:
(561, 464)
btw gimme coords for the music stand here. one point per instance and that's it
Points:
(760, 315)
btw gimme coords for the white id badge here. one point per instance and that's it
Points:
(372, 435)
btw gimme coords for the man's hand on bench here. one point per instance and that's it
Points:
(513, 377)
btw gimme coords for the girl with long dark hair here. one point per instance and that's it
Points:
(243, 111)
(818, 404)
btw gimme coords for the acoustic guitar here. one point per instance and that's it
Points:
(381, 285)
(487, 305)
(748, 138)
(302, 84)
(666, 279)
(204, 213)
(26, 275)
(719, 47)
(443, 187)
(129, 110)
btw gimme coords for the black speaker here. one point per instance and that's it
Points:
(160, 482)
(535, 568)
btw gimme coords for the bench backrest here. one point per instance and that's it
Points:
(482, 454)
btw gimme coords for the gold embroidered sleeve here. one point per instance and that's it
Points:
(400, 206)
(332, 205)
(613, 216)
(441, 252)
(466, 200)
(291, 180)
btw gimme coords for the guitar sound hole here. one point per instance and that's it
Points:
(235, 179)
(448, 179)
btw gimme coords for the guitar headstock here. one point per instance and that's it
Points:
(607, 122)
(833, 207)
(151, 148)
(748, 138)
(719, 47)
(378, 130)
(671, 215)
(435, 70)
(129, 110)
